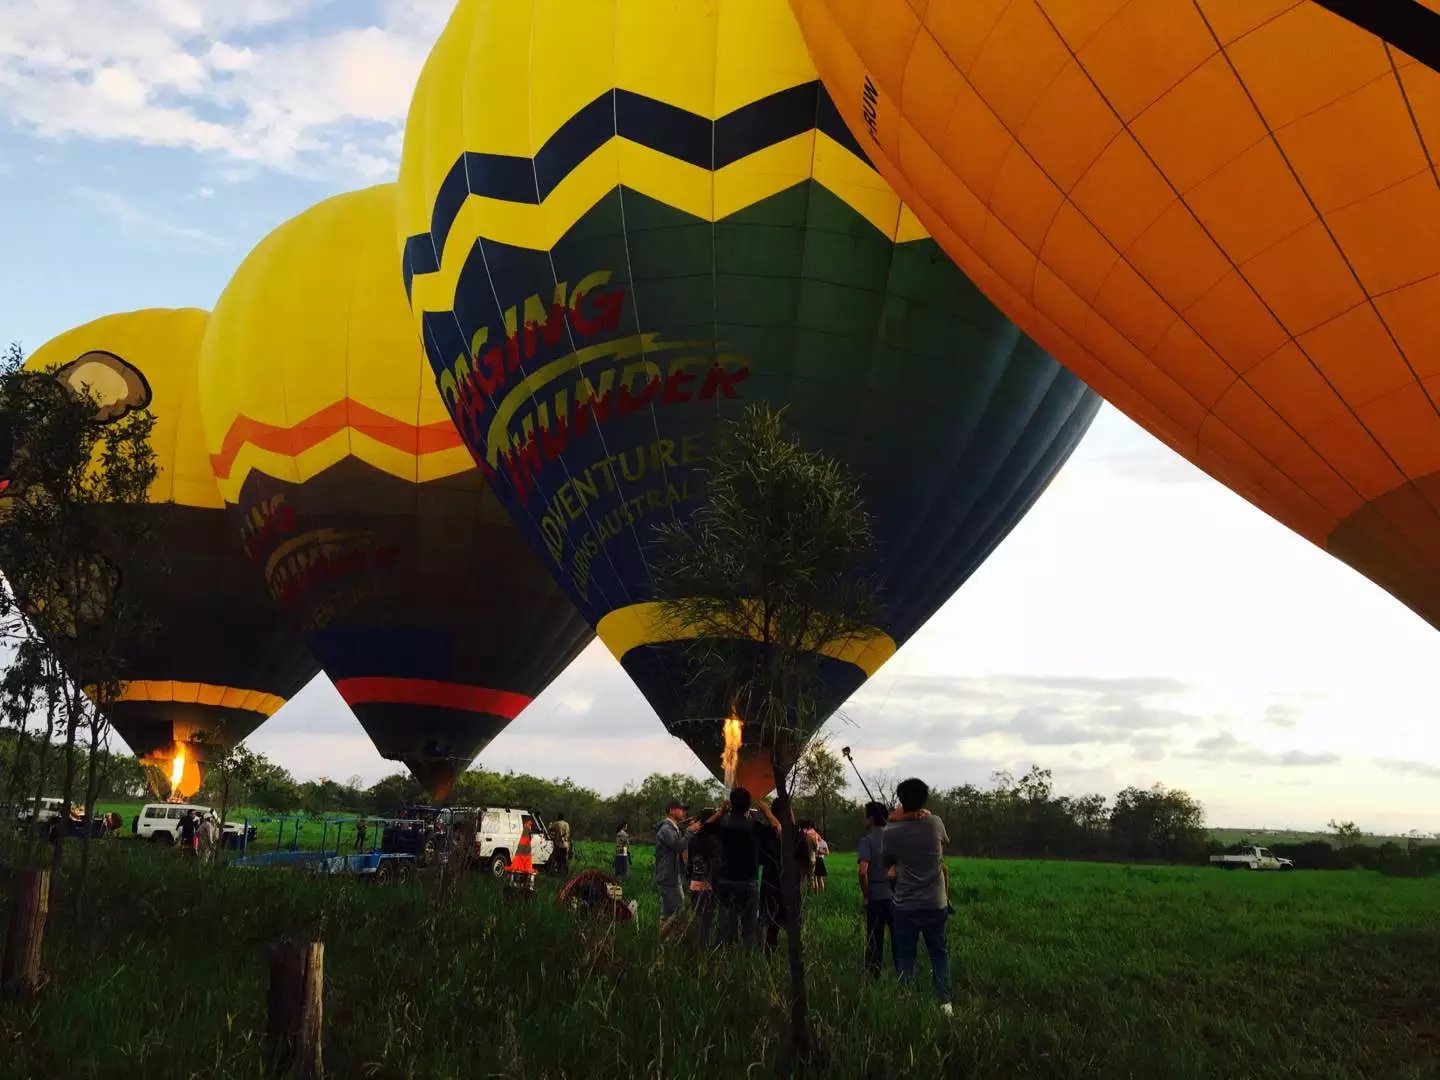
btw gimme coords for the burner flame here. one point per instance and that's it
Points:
(734, 730)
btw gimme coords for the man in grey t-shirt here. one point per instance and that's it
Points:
(915, 856)
(875, 886)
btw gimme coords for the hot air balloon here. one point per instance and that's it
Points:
(1225, 217)
(217, 660)
(621, 223)
(353, 492)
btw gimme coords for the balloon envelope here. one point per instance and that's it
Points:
(218, 660)
(623, 223)
(376, 533)
(1225, 217)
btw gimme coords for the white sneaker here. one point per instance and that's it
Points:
(947, 1009)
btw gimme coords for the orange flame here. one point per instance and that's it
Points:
(179, 768)
(734, 729)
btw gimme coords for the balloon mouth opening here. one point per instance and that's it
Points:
(436, 775)
(754, 773)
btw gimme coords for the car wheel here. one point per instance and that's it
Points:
(161, 838)
(499, 863)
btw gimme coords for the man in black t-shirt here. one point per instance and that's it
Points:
(742, 842)
(189, 829)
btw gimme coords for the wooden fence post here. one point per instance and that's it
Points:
(29, 904)
(295, 1010)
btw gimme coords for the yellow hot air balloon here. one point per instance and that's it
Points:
(219, 660)
(1224, 215)
(355, 494)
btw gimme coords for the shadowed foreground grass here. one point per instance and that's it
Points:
(1062, 969)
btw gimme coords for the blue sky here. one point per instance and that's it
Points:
(1143, 624)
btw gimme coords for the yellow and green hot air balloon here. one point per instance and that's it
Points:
(217, 660)
(1224, 215)
(621, 223)
(355, 495)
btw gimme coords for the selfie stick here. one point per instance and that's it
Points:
(846, 751)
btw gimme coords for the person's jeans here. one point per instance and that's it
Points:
(739, 910)
(702, 904)
(879, 914)
(930, 924)
(622, 866)
(669, 901)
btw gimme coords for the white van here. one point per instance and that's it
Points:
(160, 822)
(499, 834)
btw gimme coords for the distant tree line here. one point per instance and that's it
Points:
(1012, 818)
(119, 777)
(1346, 849)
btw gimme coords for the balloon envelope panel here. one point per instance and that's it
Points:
(219, 660)
(1225, 217)
(353, 492)
(625, 245)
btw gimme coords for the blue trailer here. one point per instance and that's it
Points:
(366, 859)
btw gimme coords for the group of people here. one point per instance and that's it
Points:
(728, 862)
(199, 836)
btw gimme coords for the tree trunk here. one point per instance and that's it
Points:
(800, 1042)
(72, 724)
(92, 786)
(295, 1010)
(29, 904)
(22, 753)
(42, 760)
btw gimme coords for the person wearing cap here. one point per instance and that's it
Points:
(670, 845)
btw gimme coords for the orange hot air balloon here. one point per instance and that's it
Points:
(1224, 215)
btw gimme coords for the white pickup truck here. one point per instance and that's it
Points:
(1250, 857)
(499, 832)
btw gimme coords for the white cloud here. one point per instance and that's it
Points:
(193, 74)
(146, 228)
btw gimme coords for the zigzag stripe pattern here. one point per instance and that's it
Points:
(295, 439)
(649, 122)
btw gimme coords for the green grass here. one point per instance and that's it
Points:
(1061, 970)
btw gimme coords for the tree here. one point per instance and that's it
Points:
(232, 769)
(883, 783)
(1346, 833)
(820, 778)
(775, 553)
(1159, 823)
(65, 537)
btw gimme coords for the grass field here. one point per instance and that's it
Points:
(1061, 970)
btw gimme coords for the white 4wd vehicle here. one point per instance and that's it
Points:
(47, 809)
(499, 834)
(160, 822)
(1250, 857)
